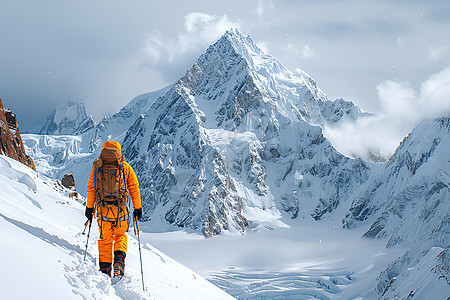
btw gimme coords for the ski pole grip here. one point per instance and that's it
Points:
(136, 222)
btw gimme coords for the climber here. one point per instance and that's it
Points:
(110, 182)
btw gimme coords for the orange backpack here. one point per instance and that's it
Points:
(109, 178)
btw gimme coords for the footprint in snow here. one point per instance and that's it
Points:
(89, 283)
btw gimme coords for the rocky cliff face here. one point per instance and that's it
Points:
(414, 182)
(204, 150)
(180, 170)
(11, 143)
(238, 133)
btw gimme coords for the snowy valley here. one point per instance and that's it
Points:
(235, 152)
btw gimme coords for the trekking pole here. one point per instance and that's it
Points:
(85, 226)
(136, 228)
(89, 221)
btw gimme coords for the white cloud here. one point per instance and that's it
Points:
(153, 46)
(403, 108)
(291, 48)
(200, 30)
(196, 20)
(396, 99)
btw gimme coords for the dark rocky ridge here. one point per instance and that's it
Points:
(11, 143)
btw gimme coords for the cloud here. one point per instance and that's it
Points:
(403, 108)
(167, 55)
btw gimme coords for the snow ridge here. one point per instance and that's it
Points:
(409, 199)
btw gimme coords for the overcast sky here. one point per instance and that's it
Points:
(107, 52)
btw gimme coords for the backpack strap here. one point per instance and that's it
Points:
(123, 174)
(98, 191)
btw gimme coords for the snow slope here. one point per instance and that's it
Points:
(42, 249)
(229, 138)
(408, 203)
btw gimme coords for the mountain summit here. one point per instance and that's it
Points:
(68, 118)
(232, 145)
(235, 57)
(203, 149)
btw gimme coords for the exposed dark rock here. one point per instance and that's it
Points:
(11, 143)
(69, 181)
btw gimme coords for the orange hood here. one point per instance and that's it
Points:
(112, 144)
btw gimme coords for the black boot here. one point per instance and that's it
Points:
(119, 263)
(105, 267)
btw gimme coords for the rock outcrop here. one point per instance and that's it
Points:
(11, 143)
(68, 181)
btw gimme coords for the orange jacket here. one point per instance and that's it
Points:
(130, 176)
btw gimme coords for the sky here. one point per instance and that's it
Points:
(107, 52)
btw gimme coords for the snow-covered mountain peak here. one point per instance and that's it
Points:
(237, 145)
(174, 138)
(243, 45)
(264, 64)
(236, 62)
(68, 118)
(70, 109)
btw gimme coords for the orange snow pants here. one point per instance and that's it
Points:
(113, 224)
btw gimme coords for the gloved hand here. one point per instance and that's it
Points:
(89, 213)
(137, 213)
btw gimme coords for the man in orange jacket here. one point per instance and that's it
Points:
(108, 195)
